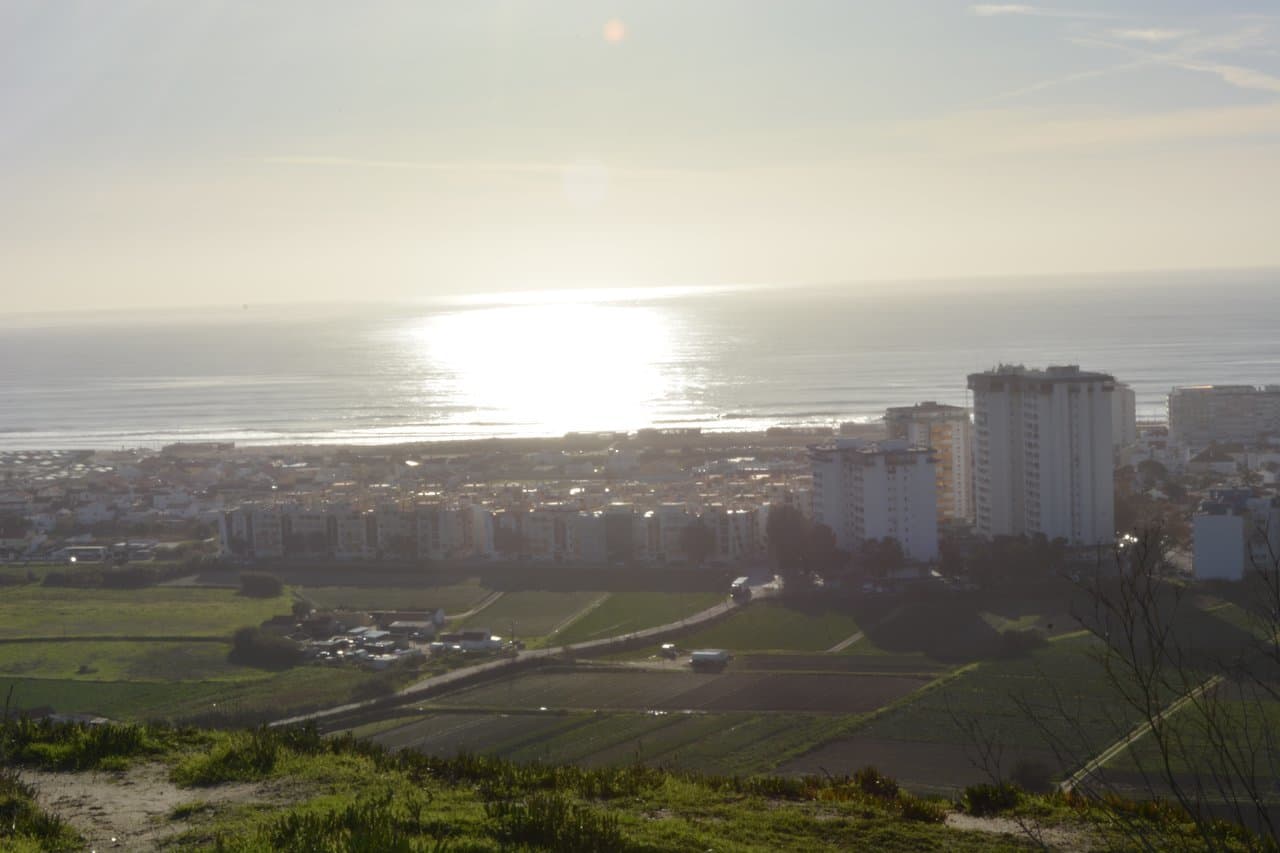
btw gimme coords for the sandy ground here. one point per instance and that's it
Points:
(1052, 837)
(130, 810)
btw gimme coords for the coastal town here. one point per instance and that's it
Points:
(1056, 453)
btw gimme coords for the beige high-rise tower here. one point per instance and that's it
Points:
(945, 429)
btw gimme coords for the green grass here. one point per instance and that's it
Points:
(772, 626)
(626, 612)
(532, 613)
(37, 611)
(124, 660)
(454, 598)
(268, 697)
(342, 794)
(989, 693)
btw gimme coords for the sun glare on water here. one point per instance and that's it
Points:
(550, 368)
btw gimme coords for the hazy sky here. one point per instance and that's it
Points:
(223, 152)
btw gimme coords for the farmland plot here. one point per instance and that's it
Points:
(679, 690)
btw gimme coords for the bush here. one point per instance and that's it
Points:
(255, 647)
(984, 800)
(874, 783)
(244, 757)
(1020, 641)
(1031, 775)
(548, 820)
(23, 823)
(924, 811)
(260, 585)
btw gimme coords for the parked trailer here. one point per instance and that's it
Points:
(710, 659)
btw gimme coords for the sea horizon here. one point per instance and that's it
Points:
(522, 364)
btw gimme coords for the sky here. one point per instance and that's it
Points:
(198, 153)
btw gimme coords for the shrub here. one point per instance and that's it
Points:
(1020, 641)
(874, 783)
(548, 820)
(1031, 775)
(984, 800)
(255, 647)
(244, 757)
(924, 811)
(260, 585)
(22, 823)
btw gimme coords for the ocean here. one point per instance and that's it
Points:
(544, 364)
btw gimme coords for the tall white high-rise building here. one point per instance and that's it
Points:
(1124, 416)
(947, 431)
(874, 490)
(1043, 460)
(1200, 414)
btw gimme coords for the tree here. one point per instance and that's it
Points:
(821, 553)
(788, 533)
(255, 647)
(881, 557)
(260, 585)
(697, 541)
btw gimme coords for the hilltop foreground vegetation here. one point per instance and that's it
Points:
(294, 790)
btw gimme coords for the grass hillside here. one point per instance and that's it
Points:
(63, 787)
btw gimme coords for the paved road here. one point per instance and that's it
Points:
(438, 682)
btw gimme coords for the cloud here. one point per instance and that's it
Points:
(992, 10)
(1151, 36)
(418, 165)
(1243, 78)
(988, 10)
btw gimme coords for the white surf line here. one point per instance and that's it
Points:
(1094, 764)
(574, 617)
(845, 643)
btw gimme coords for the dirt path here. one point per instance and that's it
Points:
(131, 810)
(480, 605)
(845, 643)
(1050, 837)
(574, 617)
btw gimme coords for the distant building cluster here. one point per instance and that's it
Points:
(619, 534)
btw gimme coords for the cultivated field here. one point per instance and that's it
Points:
(531, 613)
(642, 689)
(709, 742)
(454, 598)
(123, 660)
(153, 653)
(773, 626)
(626, 612)
(161, 611)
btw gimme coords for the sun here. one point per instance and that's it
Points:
(614, 31)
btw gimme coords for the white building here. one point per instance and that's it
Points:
(1043, 458)
(1233, 533)
(1200, 414)
(947, 431)
(1124, 416)
(874, 490)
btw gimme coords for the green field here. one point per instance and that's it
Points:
(454, 598)
(122, 660)
(117, 672)
(626, 612)
(718, 743)
(266, 695)
(990, 693)
(772, 626)
(161, 611)
(530, 613)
